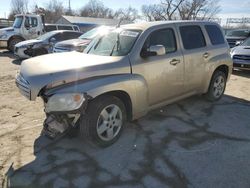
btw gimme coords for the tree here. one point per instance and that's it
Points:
(18, 7)
(181, 9)
(96, 9)
(129, 14)
(53, 11)
(198, 9)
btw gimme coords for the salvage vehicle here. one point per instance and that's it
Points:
(241, 55)
(236, 37)
(43, 44)
(25, 27)
(125, 74)
(82, 42)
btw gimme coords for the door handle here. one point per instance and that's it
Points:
(206, 55)
(175, 62)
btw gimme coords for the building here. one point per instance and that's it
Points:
(87, 23)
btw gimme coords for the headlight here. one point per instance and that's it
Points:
(80, 48)
(64, 102)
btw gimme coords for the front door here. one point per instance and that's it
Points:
(31, 28)
(163, 74)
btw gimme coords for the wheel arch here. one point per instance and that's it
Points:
(15, 37)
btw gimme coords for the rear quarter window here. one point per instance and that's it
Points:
(215, 34)
(49, 28)
(192, 37)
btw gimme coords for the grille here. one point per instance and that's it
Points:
(241, 57)
(23, 86)
(244, 66)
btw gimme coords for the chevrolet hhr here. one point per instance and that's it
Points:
(124, 74)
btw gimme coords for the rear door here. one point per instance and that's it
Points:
(195, 53)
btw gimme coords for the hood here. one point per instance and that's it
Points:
(241, 50)
(73, 43)
(69, 66)
(28, 42)
(6, 29)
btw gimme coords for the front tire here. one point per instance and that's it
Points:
(104, 120)
(217, 86)
(12, 43)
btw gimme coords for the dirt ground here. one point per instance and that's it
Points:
(192, 143)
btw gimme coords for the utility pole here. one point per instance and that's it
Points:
(70, 8)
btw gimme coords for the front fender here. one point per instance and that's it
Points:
(132, 84)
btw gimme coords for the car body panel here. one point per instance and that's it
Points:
(150, 83)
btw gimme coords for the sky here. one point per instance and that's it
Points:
(229, 8)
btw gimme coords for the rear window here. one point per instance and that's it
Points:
(215, 34)
(63, 27)
(192, 37)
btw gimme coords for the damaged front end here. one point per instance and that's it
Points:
(63, 112)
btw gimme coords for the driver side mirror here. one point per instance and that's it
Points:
(155, 50)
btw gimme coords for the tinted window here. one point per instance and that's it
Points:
(70, 35)
(58, 37)
(192, 37)
(215, 35)
(49, 28)
(76, 28)
(165, 37)
(64, 27)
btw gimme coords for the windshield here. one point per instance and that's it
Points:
(239, 33)
(18, 22)
(94, 32)
(246, 42)
(116, 43)
(46, 36)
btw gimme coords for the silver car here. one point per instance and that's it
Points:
(241, 55)
(126, 73)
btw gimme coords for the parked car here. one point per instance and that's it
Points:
(43, 44)
(126, 73)
(236, 37)
(241, 55)
(82, 42)
(53, 27)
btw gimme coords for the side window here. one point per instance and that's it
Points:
(33, 22)
(58, 37)
(63, 27)
(192, 37)
(70, 35)
(76, 28)
(215, 34)
(49, 28)
(165, 37)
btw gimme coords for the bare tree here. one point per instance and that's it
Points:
(181, 9)
(130, 14)
(198, 9)
(53, 11)
(18, 7)
(95, 8)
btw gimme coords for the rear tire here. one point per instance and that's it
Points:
(104, 120)
(217, 86)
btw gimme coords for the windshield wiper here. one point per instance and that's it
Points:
(117, 44)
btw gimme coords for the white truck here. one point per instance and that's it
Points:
(25, 27)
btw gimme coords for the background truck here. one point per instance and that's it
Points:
(25, 27)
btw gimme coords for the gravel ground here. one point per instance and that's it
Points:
(192, 143)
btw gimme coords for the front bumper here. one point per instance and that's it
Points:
(3, 43)
(241, 64)
(21, 52)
